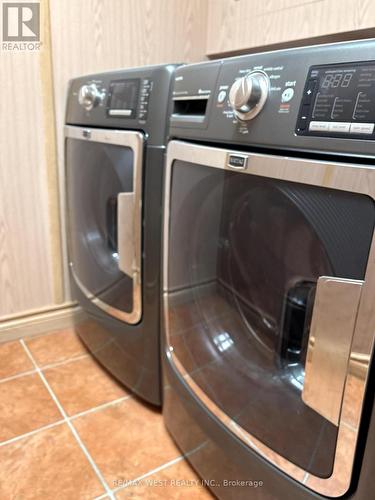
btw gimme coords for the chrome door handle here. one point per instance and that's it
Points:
(331, 332)
(126, 233)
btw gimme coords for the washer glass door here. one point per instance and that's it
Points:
(104, 182)
(246, 257)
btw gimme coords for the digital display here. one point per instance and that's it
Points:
(339, 99)
(337, 80)
(123, 98)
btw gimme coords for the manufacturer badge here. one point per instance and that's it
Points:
(237, 161)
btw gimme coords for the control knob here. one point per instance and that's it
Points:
(89, 96)
(248, 94)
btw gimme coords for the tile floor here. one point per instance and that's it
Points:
(69, 430)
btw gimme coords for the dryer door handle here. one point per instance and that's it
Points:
(331, 333)
(127, 233)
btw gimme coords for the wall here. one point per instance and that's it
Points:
(30, 260)
(78, 37)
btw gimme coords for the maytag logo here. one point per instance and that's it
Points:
(21, 26)
(237, 161)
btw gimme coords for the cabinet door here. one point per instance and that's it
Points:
(235, 25)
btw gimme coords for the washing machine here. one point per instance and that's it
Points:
(269, 272)
(115, 133)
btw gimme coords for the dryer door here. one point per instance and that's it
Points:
(104, 185)
(265, 277)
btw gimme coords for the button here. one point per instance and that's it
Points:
(287, 95)
(120, 112)
(309, 91)
(302, 122)
(361, 128)
(319, 126)
(221, 97)
(339, 127)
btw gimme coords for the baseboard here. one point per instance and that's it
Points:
(58, 318)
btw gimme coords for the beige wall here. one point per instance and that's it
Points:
(30, 263)
(85, 36)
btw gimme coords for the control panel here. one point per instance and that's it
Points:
(318, 99)
(339, 101)
(129, 98)
(121, 98)
(133, 99)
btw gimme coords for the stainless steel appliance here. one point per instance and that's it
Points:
(116, 125)
(269, 272)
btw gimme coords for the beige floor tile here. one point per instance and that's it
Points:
(177, 482)
(13, 359)
(25, 405)
(83, 384)
(56, 346)
(126, 440)
(47, 465)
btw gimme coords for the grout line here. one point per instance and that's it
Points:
(18, 375)
(31, 433)
(100, 407)
(350, 426)
(70, 425)
(90, 459)
(65, 361)
(194, 450)
(157, 469)
(45, 367)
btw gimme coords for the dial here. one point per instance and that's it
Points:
(89, 96)
(248, 94)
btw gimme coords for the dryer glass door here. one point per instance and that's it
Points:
(247, 262)
(104, 183)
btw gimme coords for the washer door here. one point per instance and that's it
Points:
(104, 182)
(263, 278)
